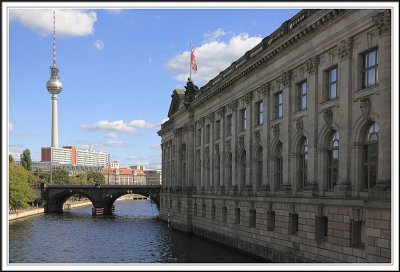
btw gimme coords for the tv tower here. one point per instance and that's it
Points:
(54, 86)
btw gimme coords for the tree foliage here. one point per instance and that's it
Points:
(95, 177)
(59, 176)
(20, 191)
(26, 160)
(10, 159)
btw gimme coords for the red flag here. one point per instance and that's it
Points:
(193, 61)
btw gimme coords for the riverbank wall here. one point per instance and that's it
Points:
(36, 211)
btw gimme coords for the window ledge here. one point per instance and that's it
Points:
(366, 92)
(329, 104)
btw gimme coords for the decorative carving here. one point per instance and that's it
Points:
(200, 122)
(312, 64)
(221, 112)
(210, 117)
(182, 152)
(240, 144)
(365, 106)
(275, 130)
(286, 77)
(247, 98)
(191, 127)
(190, 93)
(382, 21)
(233, 105)
(299, 126)
(177, 132)
(345, 48)
(328, 116)
(265, 88)
(257, 137)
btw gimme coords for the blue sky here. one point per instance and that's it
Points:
(118, 68)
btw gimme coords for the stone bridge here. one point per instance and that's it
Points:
(101, 196)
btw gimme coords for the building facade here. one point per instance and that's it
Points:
(71, 155)
(286, 153)
(153, 177)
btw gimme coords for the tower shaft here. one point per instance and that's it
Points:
(54, 122)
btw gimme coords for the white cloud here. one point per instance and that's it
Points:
(214, 36)
(156, 146)
(69, 22)
(112, 135)
(99, 45)
(121, 126)
(10, 128)
(212, 57)
(115, 11)
(116, 143)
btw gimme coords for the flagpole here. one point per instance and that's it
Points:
(190, 63)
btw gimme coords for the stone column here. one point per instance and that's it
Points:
(210, 118)
(312, 124)
(345, 94)
(234, 183)
(221, 113)
(286, 81)
(248, 184)
(383, 22)
(190, 148)
(178, 159)
(265, 137)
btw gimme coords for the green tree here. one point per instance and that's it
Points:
(44, 176)
(26, 160)
(81, 178)
(20, 192)
(10, 159)
(60, 176)
(95, 177)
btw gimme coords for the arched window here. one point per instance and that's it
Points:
(303, 158)
(333, 160)
(370, 162)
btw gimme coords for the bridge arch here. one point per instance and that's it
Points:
(101, 196)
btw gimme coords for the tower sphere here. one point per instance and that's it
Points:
(54, 85)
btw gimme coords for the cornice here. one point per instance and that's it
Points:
(270, 47)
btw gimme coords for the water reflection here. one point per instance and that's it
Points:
(133, 234)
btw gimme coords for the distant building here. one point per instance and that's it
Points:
(72, 156)
(139, 175)
(153, 177)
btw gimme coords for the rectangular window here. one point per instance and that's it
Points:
(278, 105)
(370, 68)
(252, 218)
(270, 220)
(302, 95)
(357, 233)
(237, 216)
(213, 212)
(332, 83)
(195, 209)
(208, 129)
(293, 223)
(260, 110)
(224, 214)
(179, 207)
(217, 129)
(229, 125)
(203, 210)
(321, 227)
(243, 119)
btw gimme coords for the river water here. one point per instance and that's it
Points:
(133, 234)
